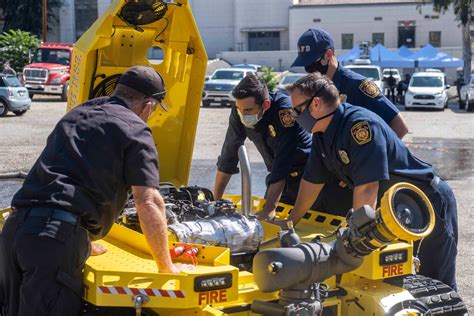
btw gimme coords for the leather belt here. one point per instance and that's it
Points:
(53, 214)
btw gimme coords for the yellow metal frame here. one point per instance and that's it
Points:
(110, 46)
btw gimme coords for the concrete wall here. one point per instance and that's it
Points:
(67, 22)
(215, 20)
(224, 24)
(261, 14)
(359, 20)
(102, 5)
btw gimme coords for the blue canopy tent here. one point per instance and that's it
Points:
(379, 55)
(431, 57)
(404, 51)
(351, 55)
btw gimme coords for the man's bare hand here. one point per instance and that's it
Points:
(264, 216)
(177, 268)
(283, 223)
(97, 249)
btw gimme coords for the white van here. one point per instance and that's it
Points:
(427, 90)
(372, 72)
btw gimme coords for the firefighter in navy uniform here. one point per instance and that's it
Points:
(95, 154)
(316, 54)
(268, 121)
(361, 149)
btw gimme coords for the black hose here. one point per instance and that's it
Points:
(13, 175)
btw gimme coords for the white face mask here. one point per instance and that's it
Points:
(249, 120)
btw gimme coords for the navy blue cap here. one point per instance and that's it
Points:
(312, 45)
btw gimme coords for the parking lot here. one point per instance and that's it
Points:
(445, 139)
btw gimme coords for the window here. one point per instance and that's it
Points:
(406, 33)
(12, 81)
(347, 41)
(435, 38)
(316, 20)
(86, 14)
(370, 72)
(427, 82)
(228, 75)
(378, 18)
(378, 38)
(52, 55)
(2, 83)
(264, 41)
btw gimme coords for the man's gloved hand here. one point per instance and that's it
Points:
(97, 249)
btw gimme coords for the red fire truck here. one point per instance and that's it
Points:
(49, 71)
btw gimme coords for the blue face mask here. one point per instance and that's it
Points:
(249, 120)
(307, 121)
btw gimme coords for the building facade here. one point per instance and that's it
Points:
(256, 27)
(391, 23)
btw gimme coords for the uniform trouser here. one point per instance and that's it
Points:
(439, 250)
(42, 265)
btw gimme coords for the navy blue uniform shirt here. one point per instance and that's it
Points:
(358, 147)
(94, 155)
(283, 144)
(364, 92)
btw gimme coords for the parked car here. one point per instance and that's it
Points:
(218, 89)
(13, 96)
(395, 73)
(427, 90)
(49, 72)
(248, 66)
(289, 78)
(372, 72)
(467, 94)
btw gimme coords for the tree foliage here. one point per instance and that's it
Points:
(16, 47)
(26, 15)
(463, 11)
(269, 78)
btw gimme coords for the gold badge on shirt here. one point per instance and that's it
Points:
(272, 131)
(344, 157)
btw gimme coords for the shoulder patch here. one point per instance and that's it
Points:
(287, 117)
(361, 133)
(369, 88)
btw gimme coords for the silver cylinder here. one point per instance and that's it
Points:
(246, 181)
(238, 233)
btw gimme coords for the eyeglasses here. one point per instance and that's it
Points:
(299, 108)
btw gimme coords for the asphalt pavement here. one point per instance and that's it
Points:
(444, 139)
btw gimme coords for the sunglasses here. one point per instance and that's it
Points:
(299, 108)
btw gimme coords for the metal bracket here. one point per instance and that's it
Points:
(139, 300)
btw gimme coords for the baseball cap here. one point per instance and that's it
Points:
(311, 45)
(146, 80)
